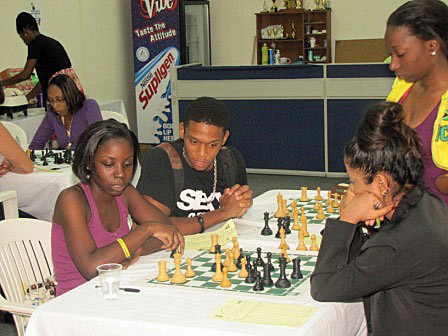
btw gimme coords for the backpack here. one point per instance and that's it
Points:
(225, 155)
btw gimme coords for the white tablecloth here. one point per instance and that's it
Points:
(31, 123)
(37, 192)
(169, 310)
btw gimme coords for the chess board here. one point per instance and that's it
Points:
(310, 213)
(202, 264)
(50, 158)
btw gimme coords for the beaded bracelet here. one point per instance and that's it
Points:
(124, 248)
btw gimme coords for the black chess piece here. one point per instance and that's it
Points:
(32, 155)
(258, 283)
(259, 261)
(250, 274)
(280, 224)
(282, 281)
(287, 224)
(271, 266)
(296, 273)
(172, 253)
(266, 230)
(254, 267)
(240, 257)
(267, 280)
(44, 163)
(248, 262)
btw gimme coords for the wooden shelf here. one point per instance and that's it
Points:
(279, 40)
(292, 48)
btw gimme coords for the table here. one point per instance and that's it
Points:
(31, 123)
(169, 310)
(37, 192)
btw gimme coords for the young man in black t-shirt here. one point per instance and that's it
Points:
(212, 184)
(45, 54)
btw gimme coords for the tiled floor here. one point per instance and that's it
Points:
(259, 184)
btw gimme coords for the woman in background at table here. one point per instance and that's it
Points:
(400, 271)
(69, 114)
(90, 221)
(417, 38)
(12, 157)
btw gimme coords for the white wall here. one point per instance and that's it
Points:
(97, 36)
(233, 24)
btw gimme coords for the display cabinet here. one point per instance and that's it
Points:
(299, 35)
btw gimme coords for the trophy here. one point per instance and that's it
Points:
(293, 29)
(318, 4)
(265, 7)
(299, 4)
(274, 32)
(282, 31)
(274, 8)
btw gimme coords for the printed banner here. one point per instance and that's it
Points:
(156, 37)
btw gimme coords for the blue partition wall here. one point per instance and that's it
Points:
(274, 134)
(343, 118)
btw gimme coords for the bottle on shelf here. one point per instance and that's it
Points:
(277, 57)
(264, 54)
(271, 56)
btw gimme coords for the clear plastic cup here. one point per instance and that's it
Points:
(110, 280)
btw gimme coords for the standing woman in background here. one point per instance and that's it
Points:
(69, 114)
(417, 38)
(45, 54)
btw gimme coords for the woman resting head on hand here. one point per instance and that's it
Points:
(90, 221)
(399, 270)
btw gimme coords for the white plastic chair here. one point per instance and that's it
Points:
(17, 133)
(26, 267)
(115, 115)
(10, 205)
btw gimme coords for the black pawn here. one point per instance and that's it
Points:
(45, 163)
(280, 224)
(296, 273)
(259, 261)
(282, 281)
(32, 156)
(240, 257)
(254, 267)
(287, 224)
(248, 262)
(250, 277)
(266, 230)
(271, 266)
(258, 283)
(172, 253)
(267, 280)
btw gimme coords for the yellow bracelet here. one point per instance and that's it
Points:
(124, 248)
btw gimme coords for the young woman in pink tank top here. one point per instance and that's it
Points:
(90, 218)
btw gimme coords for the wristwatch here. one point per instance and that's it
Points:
(201, 223)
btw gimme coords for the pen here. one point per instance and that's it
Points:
(125, 289)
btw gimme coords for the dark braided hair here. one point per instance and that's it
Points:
(426, 19)
(208, 110)
(385, 144)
